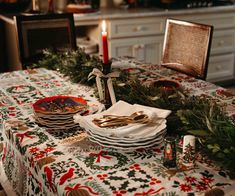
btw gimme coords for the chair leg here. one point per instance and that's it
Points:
(2, 192)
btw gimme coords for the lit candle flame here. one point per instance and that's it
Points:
(103, 26)
(105, 43)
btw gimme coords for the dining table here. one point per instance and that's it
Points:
(36, 160)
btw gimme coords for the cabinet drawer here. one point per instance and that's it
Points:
(135, 27)
(147, 49)
(219, 21)
(221, 66)
(223, 41)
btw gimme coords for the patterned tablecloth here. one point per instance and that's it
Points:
(36, 161)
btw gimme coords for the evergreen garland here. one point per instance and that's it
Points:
(74, 64)
(201, 117)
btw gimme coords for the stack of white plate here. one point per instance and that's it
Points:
(133, 143)
(57, 112)
(131, 136)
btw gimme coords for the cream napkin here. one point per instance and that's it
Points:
(132, 130)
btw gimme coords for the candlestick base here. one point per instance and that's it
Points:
(107, 99)
(106, 67)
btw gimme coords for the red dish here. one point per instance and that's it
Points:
(60, 105)
(168, 86)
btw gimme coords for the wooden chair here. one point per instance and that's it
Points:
(39, 31)
(186, 47)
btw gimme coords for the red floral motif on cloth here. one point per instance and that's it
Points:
(155, 181)
(49, 149)
(119, 192)
(102, 176)
(135, 167)
(201, 187)
(185, 188)
(39, 155)
(207, 180)
(199, 184)
(190, 179)
(33, 150)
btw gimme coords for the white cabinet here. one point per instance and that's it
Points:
(223, 41)
(139, 38)
(221, 67)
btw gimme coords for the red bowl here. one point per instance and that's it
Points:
(167, 86)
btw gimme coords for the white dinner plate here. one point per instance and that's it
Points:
(126, 144)
(127, 148)
(126, 140)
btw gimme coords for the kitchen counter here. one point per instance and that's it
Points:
(144, 12)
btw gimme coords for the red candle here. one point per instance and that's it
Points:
(105, 43)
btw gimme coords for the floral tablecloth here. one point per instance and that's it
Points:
(38, 161)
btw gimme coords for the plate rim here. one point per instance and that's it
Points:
(37, 110)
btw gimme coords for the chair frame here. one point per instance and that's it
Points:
(24, 23)
(190, 67)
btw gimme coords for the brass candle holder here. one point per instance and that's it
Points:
(107, 99)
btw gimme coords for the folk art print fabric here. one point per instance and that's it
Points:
(40, 161)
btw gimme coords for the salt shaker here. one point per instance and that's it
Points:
(169, 159)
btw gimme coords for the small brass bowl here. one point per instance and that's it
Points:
(167, 86)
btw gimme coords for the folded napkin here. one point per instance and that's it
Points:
(123, 64)
(131, 130)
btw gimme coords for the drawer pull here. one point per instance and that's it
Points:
(138, 51)
(135, 47)
(139, 28)
(218, 67)
(221, 42)
(138, 46)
